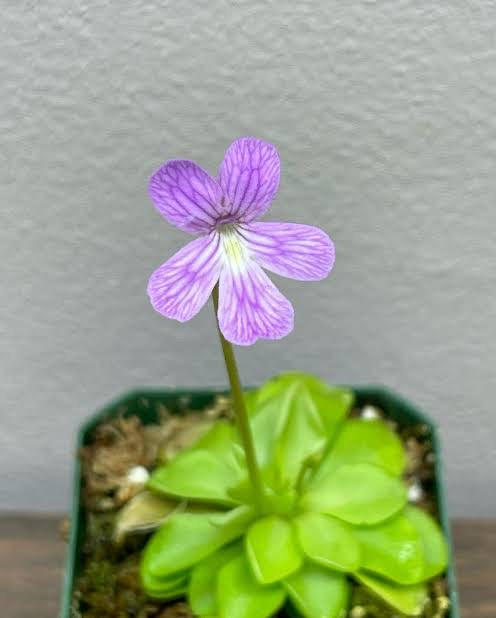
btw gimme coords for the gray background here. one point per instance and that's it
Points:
(384, 116)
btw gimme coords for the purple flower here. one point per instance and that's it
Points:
(233, 247)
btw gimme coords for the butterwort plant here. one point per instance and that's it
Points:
(296, 499)
(335, 509)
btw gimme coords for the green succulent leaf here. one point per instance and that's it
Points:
(302, 436)
(264, 428)
(219, 440)
(293, 417)
(197, 475)
(163, 588)
(392, 549)
(202, 594)
(317, 592)
(409, 600)
(358, 494)
(239, 595)
(365, 441)
(250, 398)
(433, 542)
(333, 402)
(272, 549)
(187, 538)
(328, 541)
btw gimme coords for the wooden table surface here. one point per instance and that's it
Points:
(32, 555)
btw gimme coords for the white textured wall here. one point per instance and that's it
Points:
(384, 114)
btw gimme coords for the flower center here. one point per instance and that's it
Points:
(234, 248)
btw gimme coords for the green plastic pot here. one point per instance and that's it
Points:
(146, 403)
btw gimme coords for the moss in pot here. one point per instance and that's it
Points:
(285, 508)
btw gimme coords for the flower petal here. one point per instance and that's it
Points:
(250, 305)
(292, 250)
(186, 195)
(179, 288)
(249, 177)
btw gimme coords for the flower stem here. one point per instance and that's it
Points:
(240, 411)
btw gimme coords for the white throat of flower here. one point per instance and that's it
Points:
(234, 249)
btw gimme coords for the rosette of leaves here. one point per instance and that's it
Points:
(335, 510)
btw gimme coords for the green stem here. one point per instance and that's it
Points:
(308, 464)
(240, 411)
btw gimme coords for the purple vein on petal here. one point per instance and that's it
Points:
(179, 288)
(249, 176)
(186, 195)
(250, 305)
(292, 250)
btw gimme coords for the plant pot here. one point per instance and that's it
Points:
(145, 404)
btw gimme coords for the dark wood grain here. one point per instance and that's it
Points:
(32, 554)
(31, 566)
(475, 553)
